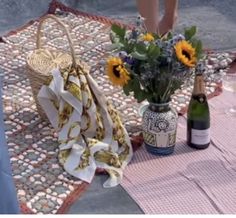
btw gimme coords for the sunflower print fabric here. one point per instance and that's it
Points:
(90, 131)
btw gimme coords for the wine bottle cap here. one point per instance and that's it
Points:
(199, 84)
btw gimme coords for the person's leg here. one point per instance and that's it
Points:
(149, 9)
(170, 16)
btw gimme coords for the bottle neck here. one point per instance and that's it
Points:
(199, 85)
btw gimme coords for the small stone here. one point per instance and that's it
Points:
(48, 190)
(71, 188)
(54, 193)
(182, 105)
(17, 176)
(37, 205)
(41, 194)
(29, 204)
(58, 183)
(43, 156)
(55, 166)
(213, 59)
(59, 201)
(51, 204)
(62, 195)
(32, 179)
(209, 67)
(43, 201)
(30, 167)
(28, 136)
(38, 183)
(53, 198)
(21, 156)
(223, 63)
(178, 108)
(8, 108)
(34, 210)
(212, 89)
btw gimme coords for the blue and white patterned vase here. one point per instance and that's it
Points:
(159, 126)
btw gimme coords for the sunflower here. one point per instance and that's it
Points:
(117, 72)
(148, 37)
(186, 53)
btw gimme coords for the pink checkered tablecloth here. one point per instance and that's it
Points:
(189, 181)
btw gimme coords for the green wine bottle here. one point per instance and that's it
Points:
(198, 118)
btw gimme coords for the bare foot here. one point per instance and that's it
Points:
(166, 24)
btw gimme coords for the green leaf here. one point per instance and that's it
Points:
(197, 44)
(119, 31)
(128, 47)
(127, 89)
(190, 32)
(134, 85)
(140, 48)
(169, 35)
(139, 56)
(156, 36)
(194, 42)
(117, 45)
(199, 49)
(153, 51)
(140, 96)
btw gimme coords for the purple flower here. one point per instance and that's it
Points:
(135, 34)
(176, 39)
(126, 58)
(129, 60)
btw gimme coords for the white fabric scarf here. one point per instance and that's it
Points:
(90, 132)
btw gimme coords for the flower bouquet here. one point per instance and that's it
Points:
(152, 68)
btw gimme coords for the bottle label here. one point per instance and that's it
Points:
(200, 137)
(201, 98)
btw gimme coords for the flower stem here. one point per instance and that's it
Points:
(165, 95)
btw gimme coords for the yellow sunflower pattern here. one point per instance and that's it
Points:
(64, 114)
(91, 133)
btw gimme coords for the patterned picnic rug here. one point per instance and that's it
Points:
(189, 181)
(42, 185)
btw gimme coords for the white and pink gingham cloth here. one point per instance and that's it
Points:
(189, 181)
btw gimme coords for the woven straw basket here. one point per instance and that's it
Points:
(42, 61)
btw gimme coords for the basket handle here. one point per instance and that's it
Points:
(38, 40)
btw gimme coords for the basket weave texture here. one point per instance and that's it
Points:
(42, 61)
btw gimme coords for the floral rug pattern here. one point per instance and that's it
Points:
(42, 185)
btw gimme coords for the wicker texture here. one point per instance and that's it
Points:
(41, 61)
